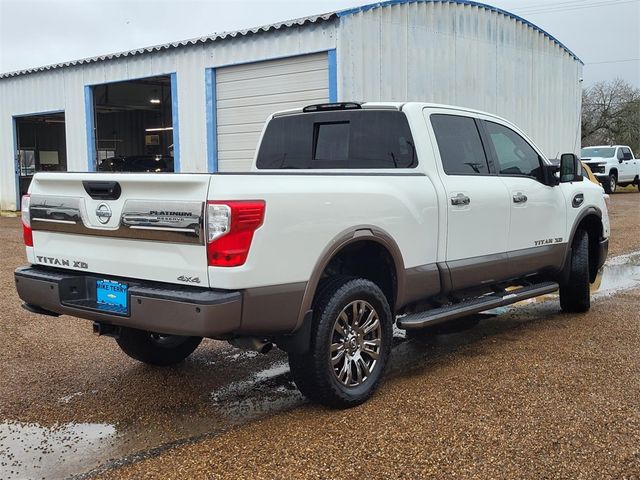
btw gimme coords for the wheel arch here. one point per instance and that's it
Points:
(362, 236)
(589, 220)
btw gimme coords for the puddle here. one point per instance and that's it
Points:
(619, 273)
(28, 450)
(268, 390)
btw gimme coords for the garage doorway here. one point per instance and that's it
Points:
(134, 127)
(40, 146)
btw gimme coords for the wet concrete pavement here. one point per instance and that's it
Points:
(72, 404)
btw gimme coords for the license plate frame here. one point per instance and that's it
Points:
(112, 295)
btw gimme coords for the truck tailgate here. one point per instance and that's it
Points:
(143, 226)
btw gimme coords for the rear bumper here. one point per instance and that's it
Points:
(153, 306)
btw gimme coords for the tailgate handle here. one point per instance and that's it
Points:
(101, 190)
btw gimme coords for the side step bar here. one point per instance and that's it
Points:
(476, 305)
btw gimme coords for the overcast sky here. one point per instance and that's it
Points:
(605, 34)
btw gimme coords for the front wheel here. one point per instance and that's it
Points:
(611, 184)
(154, 348)
(350, 345)
(575, 295)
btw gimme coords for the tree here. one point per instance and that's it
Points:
(611, 115)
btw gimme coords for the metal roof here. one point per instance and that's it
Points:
(167, 46)
(277, 26)
(387, 3)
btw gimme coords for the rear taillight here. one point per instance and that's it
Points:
(27, 234)
(230, 227)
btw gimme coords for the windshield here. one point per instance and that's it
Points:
(607, 152)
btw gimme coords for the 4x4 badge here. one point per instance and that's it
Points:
(103, 212)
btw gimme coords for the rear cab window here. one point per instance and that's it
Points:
(353, 139)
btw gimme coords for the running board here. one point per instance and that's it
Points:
(476, 305)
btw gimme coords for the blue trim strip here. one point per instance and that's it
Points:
(175, 122)
(90, 128)
(16, 165)
(333, 75)
(387, 3)
(212, 120)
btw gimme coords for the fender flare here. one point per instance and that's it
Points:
(591, 210)
(348, 237)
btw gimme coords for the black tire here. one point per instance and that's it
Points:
(156, 349)
(314, 372)
(575, 296)
(611, 184)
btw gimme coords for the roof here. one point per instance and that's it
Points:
(471, 3)
(278, 26)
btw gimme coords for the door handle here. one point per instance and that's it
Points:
(460, 200)
(520, 198)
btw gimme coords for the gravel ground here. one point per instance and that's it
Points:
(531, 394)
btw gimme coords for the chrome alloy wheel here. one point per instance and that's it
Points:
(356, 342)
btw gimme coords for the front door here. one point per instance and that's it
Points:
(477, 204)
(537, 225)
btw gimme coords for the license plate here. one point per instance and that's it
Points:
(112, 295)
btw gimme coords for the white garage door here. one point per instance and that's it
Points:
(247, 94)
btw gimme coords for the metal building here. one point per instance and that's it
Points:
(199, 105)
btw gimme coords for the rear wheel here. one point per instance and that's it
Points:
(611, 184)
(350, 344)
(575, 295)
(155, 348)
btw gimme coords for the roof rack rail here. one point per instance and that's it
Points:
(324, 107)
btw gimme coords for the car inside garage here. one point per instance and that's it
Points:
(40, 145)
(134, 125)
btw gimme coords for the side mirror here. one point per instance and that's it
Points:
(570, 168)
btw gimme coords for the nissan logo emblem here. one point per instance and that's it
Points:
(103, 212)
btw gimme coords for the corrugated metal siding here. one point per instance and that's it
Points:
(464, 55)
(63, 89)
(247, 94)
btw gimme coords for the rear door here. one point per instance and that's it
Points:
(477, 202)
(537, 225)
(142, 226)
(629, 164)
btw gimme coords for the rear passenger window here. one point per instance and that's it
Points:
(460, 146)
(338, 139)
(514, 155)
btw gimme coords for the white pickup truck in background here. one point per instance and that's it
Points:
(612, 165)
(355, 217)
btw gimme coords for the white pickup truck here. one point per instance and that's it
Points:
(613, 165)
(354, 217)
